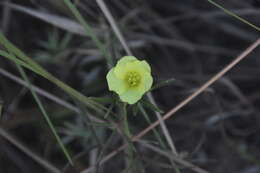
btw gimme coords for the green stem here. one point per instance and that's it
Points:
(129, 150)
(126, 127)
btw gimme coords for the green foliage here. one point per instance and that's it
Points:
(54, 48)
(163, 83)
(89, 32)
(149, 105)
(80, 128)
(44, 112)
(30, 64)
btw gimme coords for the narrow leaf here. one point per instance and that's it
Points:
(89, 31)
(35, 67)
(163, 83)
(150, 106)
(41, 107)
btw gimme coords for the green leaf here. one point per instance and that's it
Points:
(163, 83)
(150, 106)
(30, 64)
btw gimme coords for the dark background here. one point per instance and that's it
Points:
(189, 41)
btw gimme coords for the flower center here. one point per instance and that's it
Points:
(133, 79)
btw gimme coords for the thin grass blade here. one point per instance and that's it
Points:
(89, 31)
(234, 15)
(44, 112)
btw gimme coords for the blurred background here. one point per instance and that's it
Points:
(188, 41)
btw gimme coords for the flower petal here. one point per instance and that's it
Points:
(126, 59)
(145, 65)
(139, 66)
(120, 71)
(115, 84)
(147, 81)
(131, 96)
(120, 68)
(117, 76)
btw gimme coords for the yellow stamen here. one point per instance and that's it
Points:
(133, 79)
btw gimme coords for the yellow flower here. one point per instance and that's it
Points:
(130, 79)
